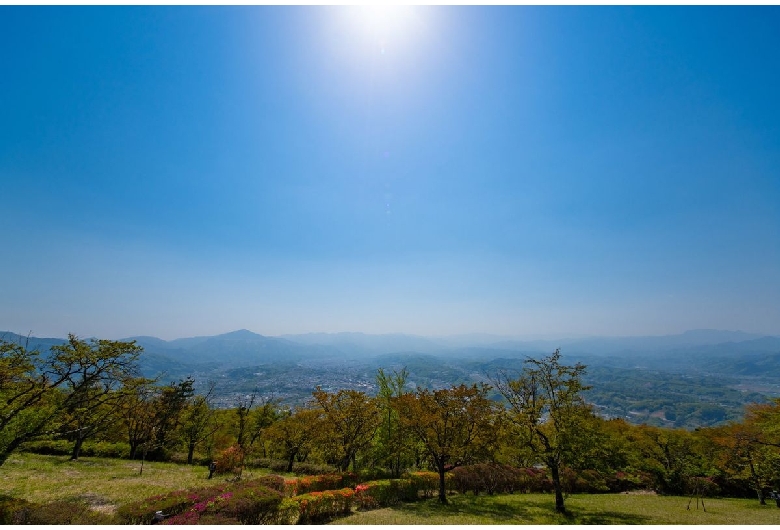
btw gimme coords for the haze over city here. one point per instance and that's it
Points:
(520, 171)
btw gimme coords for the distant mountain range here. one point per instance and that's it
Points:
(246, 348)
(700, 377)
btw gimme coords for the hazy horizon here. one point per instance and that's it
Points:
(464, 337)
(515, 170)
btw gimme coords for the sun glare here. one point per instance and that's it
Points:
(383, 22)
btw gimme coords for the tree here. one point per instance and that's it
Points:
(673, 456)
(294, 434)
(351, 419)
(92, 373)
(168, 405)
(546, 406)
(136, 412)
(392, 439)
(453, 424)
(199, 421)
(27, 395)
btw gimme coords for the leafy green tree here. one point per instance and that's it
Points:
(454, 425)
(136, 412)
(27, 396)
(168, 406)
(91, 373)
(199, 421)
(545, 405)
(673, 456)
(351, 419)
(392, 443)
(294, 434)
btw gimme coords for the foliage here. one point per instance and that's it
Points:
(350, 419)
(248, 502)
(63, 447)
(230, 460)
(551, 418)
(453, 424)
(91, 373)
(320, 483)
(318, 506)
(294, 434)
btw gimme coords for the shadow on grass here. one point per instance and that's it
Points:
(582, 517)
(515, 509)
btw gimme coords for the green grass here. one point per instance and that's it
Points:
(583, 509)
(103, 482)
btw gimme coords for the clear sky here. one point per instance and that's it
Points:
(178, 171)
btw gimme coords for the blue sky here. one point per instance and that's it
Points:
(175, 171)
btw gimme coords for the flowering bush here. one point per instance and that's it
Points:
(230, 460)
(246, 502)
(250, 505)
(274, 482)
(321, 505)
(308, 484)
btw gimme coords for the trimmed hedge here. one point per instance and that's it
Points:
(244, 502)
(319, 506)
(333, 481)
(387, 492)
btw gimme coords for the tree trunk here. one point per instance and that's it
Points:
(133, 449)
(761, 498)
(290, 462)
(556, 478)
(190, 452)
(442, 488)
(77, 448)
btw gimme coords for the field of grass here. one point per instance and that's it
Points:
(105, 483)
(583, 509)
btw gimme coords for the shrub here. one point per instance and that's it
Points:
(66, 512)
(106, 449)
(305, 468)
(230, 460)
(426, 482)
(312, 483)
(49, 447)
(90, 448)
(318, 506)
(249, 504)
(388, 492)
(142, 512)
(19, 511)
(489, 478)
(274, 482)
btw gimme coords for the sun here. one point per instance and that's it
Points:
(381, 23)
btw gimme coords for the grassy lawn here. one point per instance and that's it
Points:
(103, 482)
(584, 509)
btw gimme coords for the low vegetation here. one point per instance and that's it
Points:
(531, 432)
(54, 490)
